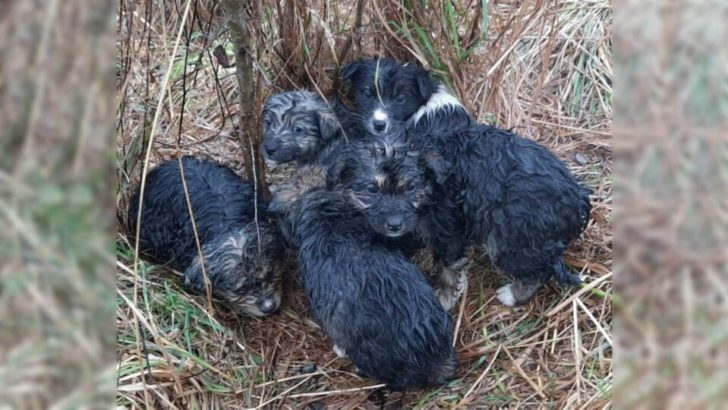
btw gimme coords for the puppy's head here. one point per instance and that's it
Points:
(296, 126)
(386, 181)
(243, 275)
(385, 91)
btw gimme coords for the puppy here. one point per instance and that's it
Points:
(298, 125)
(386, 180)
(371, 302)
(242, 258)
(491, 187)
(385, 92)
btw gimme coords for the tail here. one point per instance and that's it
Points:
(562, 274)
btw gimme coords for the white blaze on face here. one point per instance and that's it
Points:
(380, 115)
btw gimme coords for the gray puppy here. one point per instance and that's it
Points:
(299, 125)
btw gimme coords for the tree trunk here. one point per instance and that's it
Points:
(238, 15)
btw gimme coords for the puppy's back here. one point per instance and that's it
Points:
(373, 303)
(402, 334)
(219, 198)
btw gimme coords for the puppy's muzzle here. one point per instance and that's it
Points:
(394, 224)
(271, 146)
(267, 304)
(380, 121)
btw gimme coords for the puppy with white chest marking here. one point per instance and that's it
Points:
(373, 303)
(385, 92)
(492, 188)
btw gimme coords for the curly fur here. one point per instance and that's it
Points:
(511, 195)
(372, 303)
(306, 178)
(298, 125)
(384, 178)
(244, 272)
(386, 92)
(491, 187)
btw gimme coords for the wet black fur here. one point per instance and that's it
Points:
(222, 203)
(388, 181)
(491, 187)
(370, 301)
(509, 194)
(400, 91)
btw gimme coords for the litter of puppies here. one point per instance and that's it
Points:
(405, 168)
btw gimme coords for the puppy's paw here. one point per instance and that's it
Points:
(571, 279)
(505, 295)
(451, 290)
(446, 298)
(460, 264)
(339, 352)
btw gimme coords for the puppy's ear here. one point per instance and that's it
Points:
(436, 167)
(426, 84)
(329, 126)
(339, 173)
(194, 279)
(351, 71)
(276, 207)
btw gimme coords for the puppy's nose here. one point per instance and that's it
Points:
(394, 223)
(379, 125)
(267, 305)
(271, 146)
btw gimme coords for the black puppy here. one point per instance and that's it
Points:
(242, 258)
(388, 182)
(373, 303)
(298, 125)
(493, 188)
(513, 197)
(386, 92)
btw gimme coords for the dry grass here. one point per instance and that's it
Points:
(543, 68)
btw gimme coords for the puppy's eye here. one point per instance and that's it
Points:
(372, 189)
(401, 99)
(410, 187)
(368, 93)
(267, 122)
(297, 130)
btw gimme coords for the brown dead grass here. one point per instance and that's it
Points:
(543, 68)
